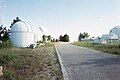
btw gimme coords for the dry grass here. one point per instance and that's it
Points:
(30, 64)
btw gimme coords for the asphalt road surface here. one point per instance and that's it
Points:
(87, 64)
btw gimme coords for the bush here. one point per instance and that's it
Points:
(6, 44)
(6, 58)
(9, 75)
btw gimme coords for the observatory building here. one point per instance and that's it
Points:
(113, 37)
(109, 37)
(116, 31)
(22, 34)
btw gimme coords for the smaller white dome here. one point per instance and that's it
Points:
(21, 26)
(37, 33)
(44, 30)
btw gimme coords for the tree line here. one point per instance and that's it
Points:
(64, 38)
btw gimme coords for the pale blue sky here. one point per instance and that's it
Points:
(96, 17)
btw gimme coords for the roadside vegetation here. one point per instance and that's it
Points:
(113, 49)
(40, 63)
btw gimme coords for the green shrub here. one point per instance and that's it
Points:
(6, 57)
(9, 75)
(6, 44)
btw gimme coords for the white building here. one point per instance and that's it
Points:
(116, 31)
(95, 40)
(23, 35)
(108, 38)
(37, 34)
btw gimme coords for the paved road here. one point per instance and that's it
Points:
(86, 64)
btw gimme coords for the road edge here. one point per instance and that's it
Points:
(64, 72)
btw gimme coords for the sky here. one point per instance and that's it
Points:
(61, 17)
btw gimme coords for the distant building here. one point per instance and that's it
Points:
(108, 38)
(116, 31)
(95, 40)
(85, 39)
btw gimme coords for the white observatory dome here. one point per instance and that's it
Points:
(22, 34)
(37, 34)
(21, 26)
(116, 30)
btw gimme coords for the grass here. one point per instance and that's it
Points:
(113, 49)
(40, 63)
(6, 44)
